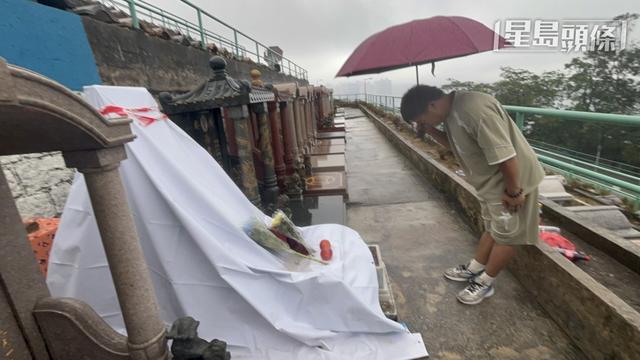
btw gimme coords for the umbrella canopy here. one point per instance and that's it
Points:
(419, 42)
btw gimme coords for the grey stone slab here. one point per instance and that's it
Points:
(552, 188)
(608, 217)
(328, 149)
(331, 135)
(381, 166)
(421, 239)
(331, 162)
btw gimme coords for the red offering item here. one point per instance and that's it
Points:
(325, 244)
(325, 250)
(326, 254)
(556, 240)
(563, 246)
(279, 236)
(294, 245)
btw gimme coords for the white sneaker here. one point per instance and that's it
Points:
(460, 273)
(475, 292)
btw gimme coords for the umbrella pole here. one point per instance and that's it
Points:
(417, 79)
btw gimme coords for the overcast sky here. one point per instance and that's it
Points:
(320, 35)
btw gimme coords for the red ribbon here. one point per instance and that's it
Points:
(140, 114)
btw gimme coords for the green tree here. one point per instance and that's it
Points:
(607, 82)
(524, 88)
(455, 85)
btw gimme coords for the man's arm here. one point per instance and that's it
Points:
(513, 196)
(439, 136)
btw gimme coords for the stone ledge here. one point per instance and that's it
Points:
(600, 323)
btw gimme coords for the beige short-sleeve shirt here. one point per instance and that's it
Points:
(482, 135)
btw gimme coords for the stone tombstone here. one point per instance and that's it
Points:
(313, 113)
(231, 104)
(40, 115)
(302, 123)
(293, 156)
(276, 130)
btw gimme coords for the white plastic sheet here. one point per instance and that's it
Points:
(189, 216)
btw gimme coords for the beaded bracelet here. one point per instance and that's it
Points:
(514, 196)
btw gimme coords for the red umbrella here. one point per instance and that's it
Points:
(419, 42)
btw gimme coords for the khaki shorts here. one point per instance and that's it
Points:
(520, 228)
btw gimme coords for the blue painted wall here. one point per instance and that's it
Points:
(48, 41)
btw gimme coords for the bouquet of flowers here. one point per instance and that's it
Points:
(258, 232)
(286, 230)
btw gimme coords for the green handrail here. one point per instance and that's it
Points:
(587, 164)
(134, 15)
(618, 119)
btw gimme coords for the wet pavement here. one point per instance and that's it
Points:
(421, 234)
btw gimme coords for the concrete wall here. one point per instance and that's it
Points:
(133, 58)
(48, 41)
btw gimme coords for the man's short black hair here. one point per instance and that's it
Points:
(415, 101)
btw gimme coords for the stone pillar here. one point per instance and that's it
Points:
(208, 135)
(270, 193)
(303, 118)
(145, 330)
(321, 105)
(234, 161)
(317, 112)
(249, 184)
(288, 135)
(220, 131)
(298, 120)
(277, 142)
(310, 133)
(254, 138)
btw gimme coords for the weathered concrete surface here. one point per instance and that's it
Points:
(39, 183)
(132, 58)
(421, 234)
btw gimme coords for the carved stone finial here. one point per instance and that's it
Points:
(219, 67)
(245, 86)
(255, 78)
(187, 345)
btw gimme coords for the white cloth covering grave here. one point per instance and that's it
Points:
(189, 216)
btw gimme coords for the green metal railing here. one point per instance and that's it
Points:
(620, 182)
(630, 120)
(241, 44)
